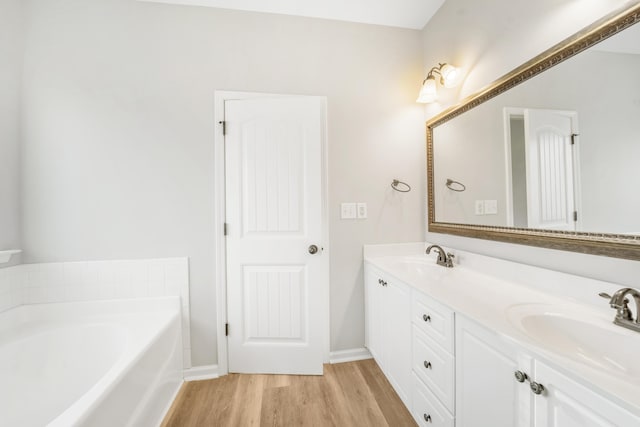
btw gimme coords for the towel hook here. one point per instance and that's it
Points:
(400, 186)
(455, 185)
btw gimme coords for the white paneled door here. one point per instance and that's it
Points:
(277, 269)
(551, 181)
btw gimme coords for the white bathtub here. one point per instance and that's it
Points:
(102, 363)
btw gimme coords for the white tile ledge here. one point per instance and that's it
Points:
(5, 256)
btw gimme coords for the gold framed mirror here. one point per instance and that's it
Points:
(463, 124)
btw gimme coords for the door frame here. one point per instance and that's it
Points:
(220, 256)
(509, 112)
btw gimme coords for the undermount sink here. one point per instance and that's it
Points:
(580, 336)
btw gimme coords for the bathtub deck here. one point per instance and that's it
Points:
(349, 394)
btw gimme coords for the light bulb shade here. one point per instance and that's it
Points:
(429, 92)
(450, 75)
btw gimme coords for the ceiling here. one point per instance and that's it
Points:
(412, 14)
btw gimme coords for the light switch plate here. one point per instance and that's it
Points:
(348, 211)
(362, 210)
(479, 207)
(490, 207)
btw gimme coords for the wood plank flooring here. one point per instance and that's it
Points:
(348, 395)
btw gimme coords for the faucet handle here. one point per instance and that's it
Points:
(607, 296)
(449, 259)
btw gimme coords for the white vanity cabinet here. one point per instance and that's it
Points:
(388, 328)
(411, 338)
(488, 393)
(466, 367)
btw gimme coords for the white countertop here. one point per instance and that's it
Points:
(492, 292)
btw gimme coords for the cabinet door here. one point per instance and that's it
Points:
(487, 393)
(396, 338)
(566, 403)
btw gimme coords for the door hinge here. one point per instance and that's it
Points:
(575, 215)
(226, 228)
(573, 138)
(226, 329)
(224, 126)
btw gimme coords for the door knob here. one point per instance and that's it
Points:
(313, 249)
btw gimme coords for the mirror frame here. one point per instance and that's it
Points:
(613, 245)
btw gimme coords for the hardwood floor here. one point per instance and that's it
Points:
(349, 394)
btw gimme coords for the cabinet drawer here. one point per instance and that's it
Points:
(426, 409)
(435, 367)
(433, 319)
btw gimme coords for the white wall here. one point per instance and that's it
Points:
(10, 71)
(471, 150)
(489, 39)
(118, 134)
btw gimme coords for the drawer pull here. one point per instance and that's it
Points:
(427, 418)
(426, 318)
(427, 364)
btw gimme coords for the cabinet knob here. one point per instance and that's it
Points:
(426, 318)
(520, 376)
(379, 281)
(537, 388)
(384, 283)
(427, 418)
(427, 364)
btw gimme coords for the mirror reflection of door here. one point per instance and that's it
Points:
(543, 183)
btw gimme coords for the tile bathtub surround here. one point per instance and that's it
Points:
(11, 294)
(99, 280)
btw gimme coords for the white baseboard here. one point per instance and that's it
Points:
(209, 372)
(349, 355)
(197, 373)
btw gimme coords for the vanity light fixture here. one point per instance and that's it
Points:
(449, 77)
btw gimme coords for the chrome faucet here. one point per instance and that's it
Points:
(623, 315)
(445, 259)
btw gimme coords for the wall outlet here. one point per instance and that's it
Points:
(348, 211)
(479, 207)
(490, 207)
(362, 210)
